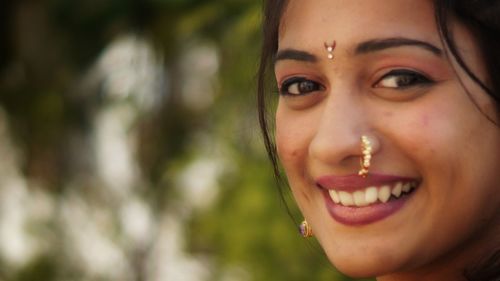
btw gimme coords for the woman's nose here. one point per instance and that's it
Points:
(337, 140)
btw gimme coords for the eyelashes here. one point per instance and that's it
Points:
(396, 79)
(298, 86)
(403, 79)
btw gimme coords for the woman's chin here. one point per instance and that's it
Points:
(356, 270)
(362, 266)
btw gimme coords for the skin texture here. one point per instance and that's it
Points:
(435, 132)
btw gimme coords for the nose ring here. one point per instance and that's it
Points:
(366, 148)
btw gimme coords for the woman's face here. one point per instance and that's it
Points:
(432, 147)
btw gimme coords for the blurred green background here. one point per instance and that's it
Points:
(130, 147)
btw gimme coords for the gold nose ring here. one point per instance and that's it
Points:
(366, 149)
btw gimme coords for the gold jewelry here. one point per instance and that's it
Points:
(366, 148)
(305, 229)
(330, 48)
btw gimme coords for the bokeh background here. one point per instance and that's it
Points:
(130, 150)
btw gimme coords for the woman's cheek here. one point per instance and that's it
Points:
(289, 144)
(292, 146)
(423, 130)
(419, 133)
(293, 132)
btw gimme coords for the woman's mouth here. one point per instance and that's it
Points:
(372, 195)
(353, 200)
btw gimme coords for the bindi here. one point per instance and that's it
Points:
(330, 48)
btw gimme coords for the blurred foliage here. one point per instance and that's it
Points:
(48, 46)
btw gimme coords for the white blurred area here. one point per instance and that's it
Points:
(19, 207)
(103, 225)
(199, 67)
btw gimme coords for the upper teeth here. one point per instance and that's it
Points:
(372, 194)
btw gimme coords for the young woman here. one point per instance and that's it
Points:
(387, 128)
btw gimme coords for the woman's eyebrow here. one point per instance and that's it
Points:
(292, 54)
(369, 46)
(387, 43)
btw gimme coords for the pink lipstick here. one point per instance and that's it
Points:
(354, 200)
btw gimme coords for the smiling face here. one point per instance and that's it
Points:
(430, 199)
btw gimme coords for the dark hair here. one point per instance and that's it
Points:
(482, 17)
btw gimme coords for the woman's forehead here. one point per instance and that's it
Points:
(305, 23)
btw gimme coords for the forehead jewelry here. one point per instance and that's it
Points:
(330, 48)
(305, 229)
(366, 149)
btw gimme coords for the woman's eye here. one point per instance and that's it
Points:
(299, 86)
(400, 79)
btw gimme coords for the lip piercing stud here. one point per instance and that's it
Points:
(366, 149)
(305, 229)
(330, 48)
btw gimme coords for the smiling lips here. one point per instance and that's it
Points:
(354, 200)
(372, 194)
